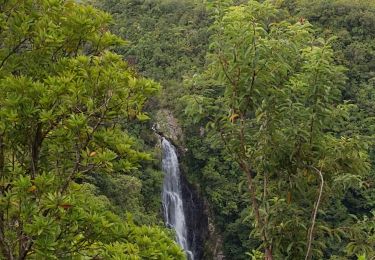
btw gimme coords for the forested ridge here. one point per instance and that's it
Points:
(273, 103)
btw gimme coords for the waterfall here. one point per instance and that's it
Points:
(172, 197)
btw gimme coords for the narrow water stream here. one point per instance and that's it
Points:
(172, 197)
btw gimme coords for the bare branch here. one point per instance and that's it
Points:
(315, 211)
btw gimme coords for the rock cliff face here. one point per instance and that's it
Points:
(196, 219)
(167, 125)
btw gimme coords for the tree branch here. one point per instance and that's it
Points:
(315, 211)
(13, 51)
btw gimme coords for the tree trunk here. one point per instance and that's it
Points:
(268, 254)
(35, 150)
(2, 161)
(4, 247)
(246, 168)
(252, 190)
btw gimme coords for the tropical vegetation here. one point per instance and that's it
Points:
(276, 101)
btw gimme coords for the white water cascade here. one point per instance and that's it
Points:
(172, 196)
